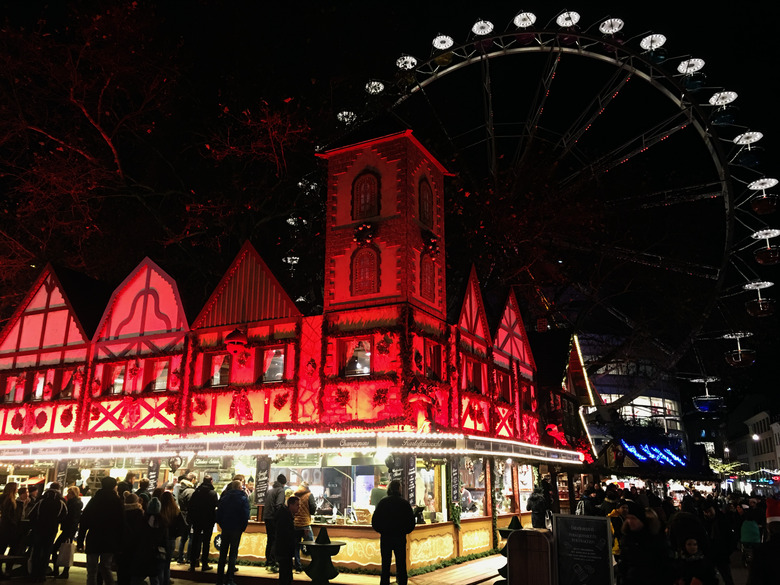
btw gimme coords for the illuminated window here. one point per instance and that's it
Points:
(365, 196)
(432, 360)
(156, 375)
(65, 382)
(8, 387)
(427, 278)
(426, 203)
(503, 386)
(472, 375)
(114, 377)
(355, 357)
(216, 370)
(273, 364)
(365, 272)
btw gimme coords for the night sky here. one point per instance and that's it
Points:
(311, 60)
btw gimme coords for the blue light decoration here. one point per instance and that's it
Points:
(661, 455)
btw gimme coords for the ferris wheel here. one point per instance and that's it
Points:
(595, 172)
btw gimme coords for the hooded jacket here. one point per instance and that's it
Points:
(101, 520)
(233, 511)
(47, 514)
(202, 508)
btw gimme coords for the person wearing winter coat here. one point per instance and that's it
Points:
(186, 489)
(286, 539)
(233, 518)
(202, 515)
(133, 562)
(694, 568)
(69, 528)
(302, 519)
(157, 539)
(99, 525)
(393, 519)
(9, 520)
(274, 500)
(45, 519)
(538, 508)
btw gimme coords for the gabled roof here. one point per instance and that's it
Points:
(44, 319)
(472, 313)
(248, 293)
(147, 302)
(510, 336)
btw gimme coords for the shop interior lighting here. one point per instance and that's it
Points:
(652, 42)
(690, 66)
(723, 98)
(442, 42)
(525, 20)
(611, 26)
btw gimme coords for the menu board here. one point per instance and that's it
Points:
(411, 478)
(583, 550)
(262, 472)
(152, 473)
(454, 480)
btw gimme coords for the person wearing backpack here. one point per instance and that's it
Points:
(185, 494)
(538, 508)
(274, 500)
(587, 504)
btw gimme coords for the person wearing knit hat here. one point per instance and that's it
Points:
(132, 563)
(773, 509)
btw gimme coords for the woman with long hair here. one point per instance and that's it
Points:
(170, 516)
(9, 522)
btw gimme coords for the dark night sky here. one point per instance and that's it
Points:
(322, 53)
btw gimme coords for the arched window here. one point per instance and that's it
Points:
(426, 203)
(427, 278)
(365, 196)
(365, 272)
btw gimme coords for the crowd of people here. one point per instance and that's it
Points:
(133, 532)
(655, 542)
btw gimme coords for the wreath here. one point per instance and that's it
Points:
(380, 397)
(41, 419)
(431, 243)
(95, 413)
(172, 405)
(17, 421)
(199, 406)
(342, 396)
(280, 400)
(364, 234)
(383, 345)
(66, 417)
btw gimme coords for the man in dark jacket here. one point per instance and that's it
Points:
(232, 517)
(274, 500)
(286, 539)
(186, 489)
(538, 508)
(202, 515)
(722, 540)
(101, 524)
(393, 519)
(45, 518)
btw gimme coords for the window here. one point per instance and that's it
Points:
(156, 375)
(471, 378)
(273, 364)
(365, 196)
(427, 278)
(216, 369)
(432, 360)
(503, 386)
(355, 357)
(66, 383)
(114, 376)
(365, 272)
(426, 203)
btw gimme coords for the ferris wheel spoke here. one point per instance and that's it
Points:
(667, 197)
(634, 146)
(490, 128)
(537, 106)
(589, 115)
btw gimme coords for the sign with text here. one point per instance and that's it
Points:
(583, 549)
(152, 473)
(262, 473)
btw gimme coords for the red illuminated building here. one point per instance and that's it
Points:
(378, 386)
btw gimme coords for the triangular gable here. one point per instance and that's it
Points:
(248, 293)
(45, 327)
(472, 314)
(577, 379)
(147, 304)
(510, 337)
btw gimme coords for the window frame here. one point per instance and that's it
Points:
(207, 374)
(360, 287)
(432, 364)
(345, 354)
(425, 202)
(361, 209)
(427, 277)
(261, 378)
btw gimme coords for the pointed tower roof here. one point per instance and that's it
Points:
(472, 314)
(248, 293)
(44, 319)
